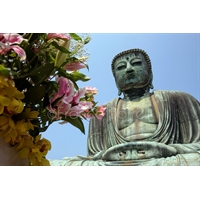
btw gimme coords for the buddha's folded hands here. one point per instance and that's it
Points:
(139, 150)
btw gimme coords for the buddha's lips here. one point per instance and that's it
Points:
(129, 76)
(128, 81)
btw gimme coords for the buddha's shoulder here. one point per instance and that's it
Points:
(176, 94)
(172, 93)
(112, 102)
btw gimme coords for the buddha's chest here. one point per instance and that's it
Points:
(136, 114)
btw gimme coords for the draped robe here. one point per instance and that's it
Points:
(178, 127)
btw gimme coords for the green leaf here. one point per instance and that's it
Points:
(76, 75)
(23, 83)
(62, 49)
(42, 70)
(26, 35)
(1, 58)
(52, 87)
(75, 36)
(31, 56)
(43, 129)
(13, 54)
(35, 94)
(86, 66)
(39, 72)
(77, 122)
(33, 37)
(34, 132)
(6, 72)
(87, 40)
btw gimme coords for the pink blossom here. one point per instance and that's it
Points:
(58, 35)
(53, 111)
(79, 108)
(9, 41)
(91, 90)
(66, 102)
(11, 38)
(85, 105)
(100, 112)
(1, 36)
(20, 52)
(60, 103)
(87, 114)
(63, 108)
(74, 66)
(80, 93)
(66, 89)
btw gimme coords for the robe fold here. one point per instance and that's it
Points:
(178, 127)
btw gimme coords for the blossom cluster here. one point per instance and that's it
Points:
(38, 75)
(10, 42)
(15, 123)
(68, 102)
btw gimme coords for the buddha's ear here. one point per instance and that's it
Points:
(119, 92)
(150, 86)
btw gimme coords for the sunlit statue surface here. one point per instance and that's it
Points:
(142, 128)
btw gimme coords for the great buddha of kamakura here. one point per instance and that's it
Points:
(142, 128)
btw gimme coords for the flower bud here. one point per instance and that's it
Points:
(61, 56)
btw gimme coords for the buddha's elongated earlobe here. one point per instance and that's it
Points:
(119, 92)
(151, 86)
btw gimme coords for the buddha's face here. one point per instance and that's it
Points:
(131, 71)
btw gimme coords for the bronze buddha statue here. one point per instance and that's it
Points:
(142, 128)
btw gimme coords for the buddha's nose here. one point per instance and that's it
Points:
(129, 69)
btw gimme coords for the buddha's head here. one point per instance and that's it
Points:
(132, 69)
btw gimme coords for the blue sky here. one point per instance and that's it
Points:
(175, 64)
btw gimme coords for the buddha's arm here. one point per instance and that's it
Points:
(186, 148)
(187, 154)
(190, 134)
(188, 113)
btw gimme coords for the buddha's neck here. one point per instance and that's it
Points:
(135, 93)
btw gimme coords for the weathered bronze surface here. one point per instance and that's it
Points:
(142, 128)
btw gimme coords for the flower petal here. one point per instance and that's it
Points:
(80, 93)
(4, 101)
(33, 114)
(74, 66)
(57, 35)
(1, 109)
(91, 90)
(23, 153)
(21, 126)
(4, 120)
(19, 95)
(13, 38)
(21, 53)
(45, 162)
